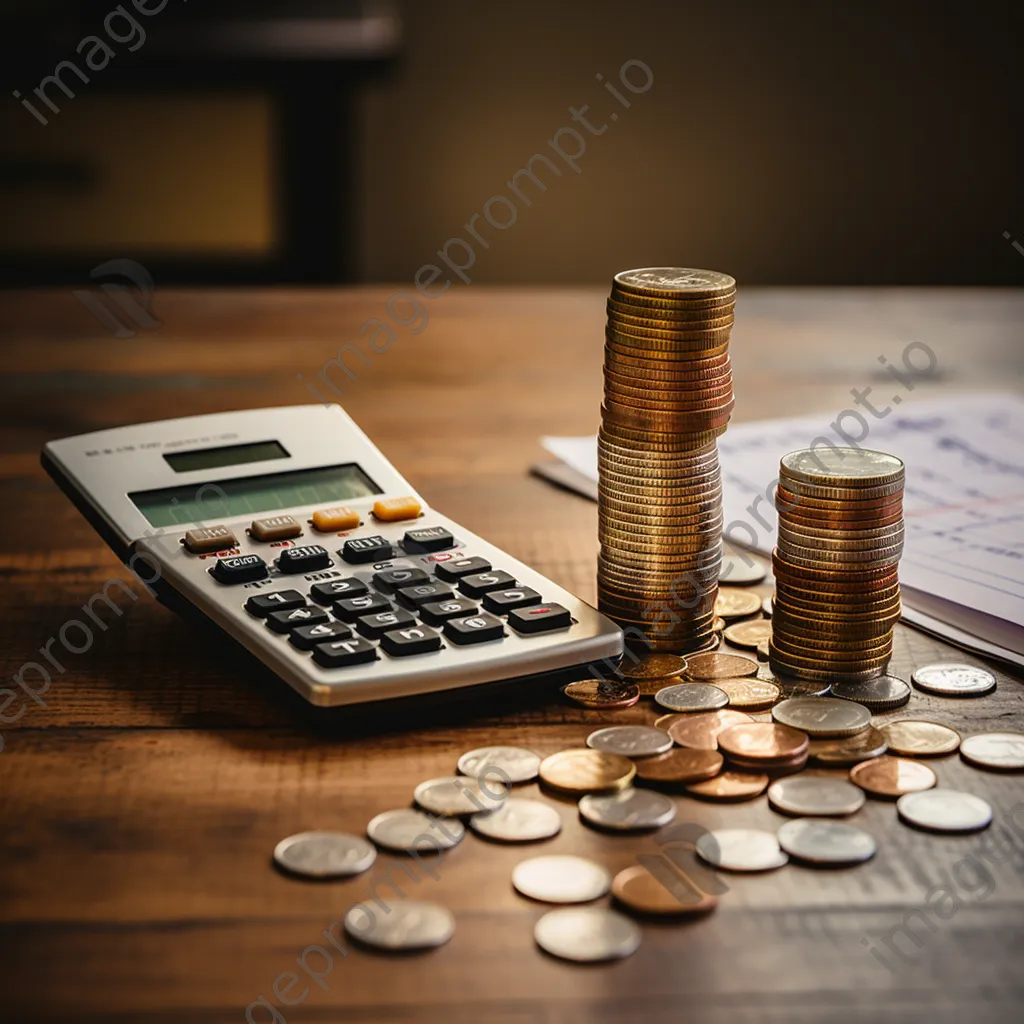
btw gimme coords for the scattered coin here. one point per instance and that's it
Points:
(766, 742)
(586, 934)
(736, 604)
(944, 810)
(411, 924)
(603, 693)
(719, 666)
(663, 722)
(518, 821)
(892, 776)
(730, 786)
(815, 796)
(630, 740)
(749, 694)
(1003, 751)
(324, 854)
(741, 849)
(628, 810)
(652, 666)
(659, 890)
(561, 879)
(405, 830)
(920, 739)
(679, 767)
(504, 764)
(741, 569)
(848, 750)
(954, 680)
(692, 697)
(819, 841)
(458, 795)
(822, 716)
(586, 771)
(748, 634)
(700, 732)
(791, 687)
(882, 693)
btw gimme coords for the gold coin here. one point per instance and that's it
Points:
(701, 731)
(662, 891)
(584, 770)
(651, 666)
(748, 634)
(679, 766)
(762, 650)
(720, 666)
(848, 750)
(731, 786)
(892, 776)
(920, 739)
(749, 694)
(736, 604)
(725, 301)
(719, 624)
(853, 466)
(603, 693)
(675, 282)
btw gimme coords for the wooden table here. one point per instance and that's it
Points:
(140, 805)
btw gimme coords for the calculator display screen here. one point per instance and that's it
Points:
(230, 455)
(223, 499)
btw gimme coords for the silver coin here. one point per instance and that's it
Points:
(796, 687)
(630, 740)
(741, 849)
(741, 569)
(767, 607)
(692, 697)
(629, 810)
(822, 716)
(457, 795)
(815, 796)
(508, 764)
(1001, 750)
(944, 810)
(954, 680)
(324, 854)
(411, 924)
(819, 841)
(518, 821)
(561, 879)
(406, 830)
(586, 934)
(880, 694)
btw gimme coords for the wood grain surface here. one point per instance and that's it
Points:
(140, 805)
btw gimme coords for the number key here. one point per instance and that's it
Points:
(414, 640)
(454, 569)
(286, 621)
(340, 653)
(539, 618)
(375, 626)
(474, 630)
(436, 613)
(360, 550)
(479, 583)
(307, 637)
(261, 605)
(415, 597)
(391, 579)
(348, 609)
(501, 602)
(328, 593)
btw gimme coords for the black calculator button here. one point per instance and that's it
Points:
(478, 584)
(414, 640)
(338, 653)
(286, 621)
(539, 618)
(328, 593)
(239, 569)
(391, 580)
(360, 550)
(348, 609)
(437, 613)
(276, 601)
(427, 539)
(423, 593)
(475, 629)
(304, 558)
(307, 637)
(456, 568)
(375, 626)
(501, 602)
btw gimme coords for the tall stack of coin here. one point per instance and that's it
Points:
(667, 398)
(837, 593)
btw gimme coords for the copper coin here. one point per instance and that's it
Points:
(701, 731)
(766, 742)
(603, 693)
(680, 766)
(920, 739)
(748, 634)
(660, 890)
(652, 666)
(586, 771)
(731, 786)
(848, 750)
(737, 604)
(892, 776)
(749, 694)
(720, 666)
(775, 768)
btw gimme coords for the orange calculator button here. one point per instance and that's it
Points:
(392, 510)
(333, 520)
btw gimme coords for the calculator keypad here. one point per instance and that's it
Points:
(414, 640)
(475, 629)
(349, 609)
(328, 593)
(307, 637)
(423, 593)
(339, 653)
(479, 583)
(373, 627)
(286, 621)
(455, 569)
(390, 580)
(261, 605)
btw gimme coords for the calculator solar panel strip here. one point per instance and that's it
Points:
(144, 487)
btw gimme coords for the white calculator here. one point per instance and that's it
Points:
(289, 530)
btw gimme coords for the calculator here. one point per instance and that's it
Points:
(290, 531)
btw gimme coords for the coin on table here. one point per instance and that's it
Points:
(405, 830)
(741, 849)
(748, 634)
(920, 739)
(729, 786)
(768, 742)
(457, 795)
(679, 767)
(819, 841)
(411, 924)
(822, 716)
(798, 687)
(736, 604)
(603, 693)
(712, 666)
(815, 796)
(767, 607)
(701, 731)
(740, 569)
(749, 694)
(561, 879)
(1003, 751)
(630, 740)
(954, 680)
(586, 771)
(506, 764)
(848, 750)
(882, 693)
(892, 776)
(945, 810)
(655, 888)
(518, 820)
(630, 810)
(692, 697)
(324, 854)
(587, 934)
(652, 666)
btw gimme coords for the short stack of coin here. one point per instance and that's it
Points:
(837, 594)
(668, 397)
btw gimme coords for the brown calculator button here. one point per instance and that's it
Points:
(275, 528)
(334, 520)
(208, 538)
(393, 510)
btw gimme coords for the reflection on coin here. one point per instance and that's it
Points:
(880, 694)
(630, 810)
(503, 764)
(720, 666)
(603, 693)
(892, 776)
(822, 716)
(410, 924)
(945, 810)
(798, 687)
(954, 680)
(819, 841)
(920, 739)
(455, 795)
(679, 767)
(324, 854)
(748, 634)
(736, 604)
(587, 934)
(749, 694)
(658, 889)
(518, 821)
(630, 740)
(815, 796)
(652, 666)
(741, 849)
(692, 697)
(764, 650)
(763, 741)
(586, 771)
(767, 607)
(742, 569)
(730, 786)
(405, 830)
(849, 750)
(701, 731)
(718, 624)
(1003, 751)
(561, 879)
